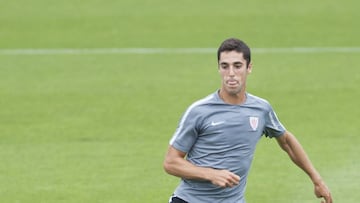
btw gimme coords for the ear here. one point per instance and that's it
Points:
(249, 68)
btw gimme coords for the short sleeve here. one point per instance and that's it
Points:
(186, 134)
(273, 127)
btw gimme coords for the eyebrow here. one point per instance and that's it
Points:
(236, 63)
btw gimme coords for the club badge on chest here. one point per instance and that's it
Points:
(254, 122)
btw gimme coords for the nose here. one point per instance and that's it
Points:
(231, 71)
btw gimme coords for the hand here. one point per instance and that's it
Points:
(223, 178)
(322, 191)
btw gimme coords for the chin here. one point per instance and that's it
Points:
(232, 91)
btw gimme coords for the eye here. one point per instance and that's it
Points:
(224, 66)
(238, 65)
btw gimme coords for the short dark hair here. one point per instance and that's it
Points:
(233, 44)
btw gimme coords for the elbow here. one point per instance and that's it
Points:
(171, 166)
(173, 161)
(167, 166)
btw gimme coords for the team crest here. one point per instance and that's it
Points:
(254, 122)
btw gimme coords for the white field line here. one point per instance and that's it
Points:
(98, 51)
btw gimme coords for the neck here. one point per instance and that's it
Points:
(235, 99)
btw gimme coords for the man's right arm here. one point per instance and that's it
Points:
(175, 164)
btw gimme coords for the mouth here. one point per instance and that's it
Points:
(232, 82)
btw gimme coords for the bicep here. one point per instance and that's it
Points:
(289, 143)
(174, 159)
(283, 140)
(174, 153)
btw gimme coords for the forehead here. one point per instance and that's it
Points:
(231, 57)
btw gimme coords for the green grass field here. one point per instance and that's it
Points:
(95, 127)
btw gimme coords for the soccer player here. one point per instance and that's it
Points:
(213, 145)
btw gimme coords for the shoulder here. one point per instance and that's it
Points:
(258, 101)
(198, 109)
(200, 104)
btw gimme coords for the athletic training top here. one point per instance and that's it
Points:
(222, 136)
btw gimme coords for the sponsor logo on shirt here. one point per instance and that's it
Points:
(217, 123)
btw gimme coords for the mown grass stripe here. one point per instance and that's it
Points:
(73, 51)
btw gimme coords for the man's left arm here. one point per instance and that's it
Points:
(291, 145)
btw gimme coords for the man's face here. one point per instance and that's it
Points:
(233, 70)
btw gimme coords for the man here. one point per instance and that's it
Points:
(213, 146)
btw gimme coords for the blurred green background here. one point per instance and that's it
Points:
(87, 127)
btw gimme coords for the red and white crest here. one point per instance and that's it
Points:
(254, 122)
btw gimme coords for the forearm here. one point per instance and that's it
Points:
(291, 145)
(184, 169)
(298, 155)
(176, 165)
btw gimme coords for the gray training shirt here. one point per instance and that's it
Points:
(222, 136)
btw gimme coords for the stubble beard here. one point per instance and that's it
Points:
(234, 91)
